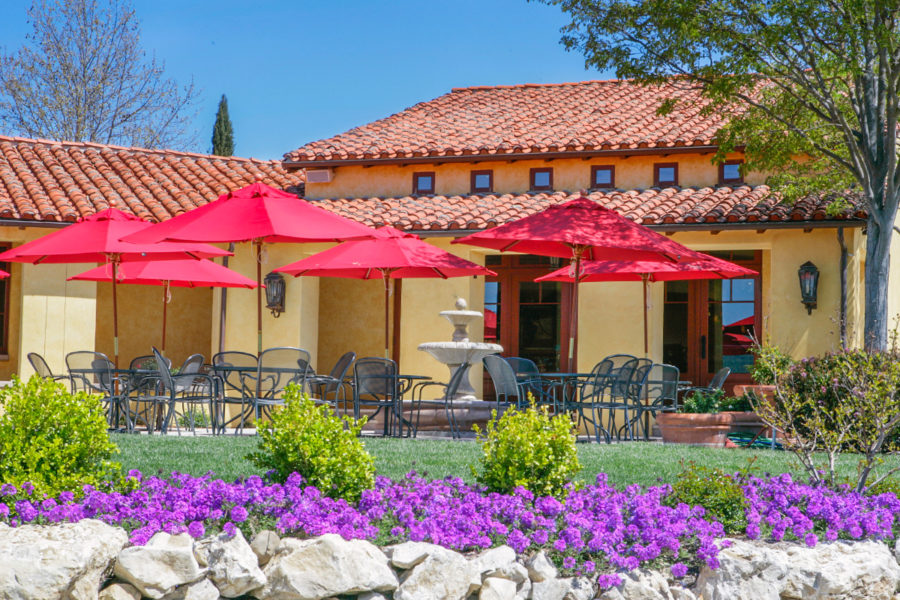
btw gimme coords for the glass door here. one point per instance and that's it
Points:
(710, 324)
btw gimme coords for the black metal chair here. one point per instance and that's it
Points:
(662, 390)
(446, 402)
(376, 386)
(529, 377)
(507, 388)
(42, 369)
(584, 395)
(331, 389)
(635, 397)
(716, 383)
(278, 368)
(237, 372)
(190, 391)
(94, 373)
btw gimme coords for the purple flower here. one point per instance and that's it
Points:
(7, 489)
(229, 529)
(196, 529)
(568, 562)
(679, 570)
(609, 580)
(238, 514)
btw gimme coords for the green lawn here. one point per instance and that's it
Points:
(642, 463)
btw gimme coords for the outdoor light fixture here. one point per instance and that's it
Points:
(275, 293)
(809, 285)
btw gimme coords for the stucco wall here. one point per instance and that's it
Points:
(568, 174)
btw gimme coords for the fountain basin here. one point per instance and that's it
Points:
(454, 354)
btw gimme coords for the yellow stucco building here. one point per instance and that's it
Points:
(470, 159)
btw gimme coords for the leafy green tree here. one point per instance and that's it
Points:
(819, 78)
(223, 133)
(82, 76)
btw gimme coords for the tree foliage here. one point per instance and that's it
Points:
(82, 76)
(819, 78)
(223, 132)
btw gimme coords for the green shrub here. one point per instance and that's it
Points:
(309, 439)
(844, 401)
(717, 492)
(530, 449)
(700, 401)
(737, 403)
(52, 438)
(770, 362)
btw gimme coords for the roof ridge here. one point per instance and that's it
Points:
(536, 85)
(118, 148)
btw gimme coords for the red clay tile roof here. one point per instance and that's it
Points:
(670, 206)
(527, 119)
(43, 180)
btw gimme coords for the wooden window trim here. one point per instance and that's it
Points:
(415, 181)
(740, 177)
(474, 174)
(4, 339)
(612, 177)
(656, 169)
(534, 172)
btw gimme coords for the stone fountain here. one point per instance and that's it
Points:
(460, 350)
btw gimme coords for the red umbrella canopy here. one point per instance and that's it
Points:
(178, 273)
(562, 229)
(97, 238)
(389, 252)
(259, 213)
(708, 267)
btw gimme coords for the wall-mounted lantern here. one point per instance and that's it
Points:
(275, 293)
(809, 285)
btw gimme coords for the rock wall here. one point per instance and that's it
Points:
(90, 560)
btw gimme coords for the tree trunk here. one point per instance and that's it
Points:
(878, 263)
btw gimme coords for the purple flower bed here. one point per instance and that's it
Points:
(597, 529)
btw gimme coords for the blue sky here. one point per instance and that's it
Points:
(296, 71)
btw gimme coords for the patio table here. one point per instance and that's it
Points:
(568, 383)
(402, 385)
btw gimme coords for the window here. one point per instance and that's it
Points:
(482, 181)
(665, 174)
(423, 182)
(603, 176)
(541, 179)
(730, 172)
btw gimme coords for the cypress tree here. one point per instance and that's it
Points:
(223, 133)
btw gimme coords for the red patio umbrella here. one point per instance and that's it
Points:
(391, 254)
(581, 230)
(703, 267)
(178, 273)
(258, 214)
(96, 239)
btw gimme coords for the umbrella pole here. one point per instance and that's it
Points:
(645, 277)
(165, 310)
(115, 277)
(258, 297)
(387, 309)
(573, 327)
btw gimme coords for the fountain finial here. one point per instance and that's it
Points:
(461, 304)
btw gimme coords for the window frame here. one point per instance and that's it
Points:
(531, 185)
(612, 177)
(656, 169)
(740, 177)
(415, 181)
(472, 178)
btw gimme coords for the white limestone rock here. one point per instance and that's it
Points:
(65, 561)
(265, 544)
(760, 571)
(540, 568)
(371, 596)
(200, 590)
(326, 566)
(408, 554)
(493, 559)
(120, 591)
(443, 575)
(166, 562)
(568, 588)
(233, 566)
(496, 588)
(643, 584)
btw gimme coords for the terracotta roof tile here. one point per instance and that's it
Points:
(43, 180)
(529, 118)
(669, 206)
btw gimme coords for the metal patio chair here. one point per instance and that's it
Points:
(529, 376)
(507, 388)
(332, 388)
(189, 391)
(446, 402)
(635, 395)
(94, 373)
(662, 390)
(42, 369)
(716, 383)
(237, 372)
(582, 395)
(278, 368)
(376, 386)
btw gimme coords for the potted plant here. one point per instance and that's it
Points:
(698, 422)
(743, 418)
(769, 362)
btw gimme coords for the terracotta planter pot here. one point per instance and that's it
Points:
(746, 422)
(700, 429)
